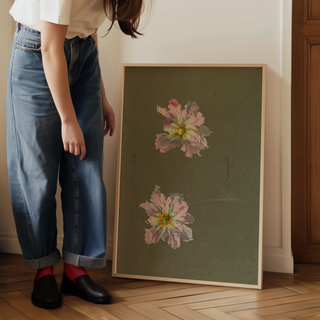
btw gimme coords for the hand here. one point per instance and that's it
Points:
(109, 118)
(72, 138)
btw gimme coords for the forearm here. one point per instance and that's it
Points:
(56, 71)
(55, 68)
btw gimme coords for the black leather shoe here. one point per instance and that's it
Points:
(86, 289)
(46, 293)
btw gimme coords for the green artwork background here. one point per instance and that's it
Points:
(225, 234)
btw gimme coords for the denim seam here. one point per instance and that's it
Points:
(28, 49)
(36, 43)
(17, 149)
(76, 205)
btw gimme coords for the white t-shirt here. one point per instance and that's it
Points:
(83, 17)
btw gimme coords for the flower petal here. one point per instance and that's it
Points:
(191, 107)
(156, 198)
(175, 111)
(189, 149)
(186, 234)
(165, 113)
(174, 102)
(164, 144)
(174, 241)
(204, 130)
(196, 120)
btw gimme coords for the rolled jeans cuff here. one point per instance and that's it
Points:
(44, 262)
(79, 260)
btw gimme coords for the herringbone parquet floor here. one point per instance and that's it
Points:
(284, 297)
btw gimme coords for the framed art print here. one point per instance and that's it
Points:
(190, 174)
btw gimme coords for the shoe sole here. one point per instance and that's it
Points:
(84, 297)
(46, 305)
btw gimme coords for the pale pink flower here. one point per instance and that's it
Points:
(184, 128)
(168, 219)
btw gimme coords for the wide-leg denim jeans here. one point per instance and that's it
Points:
(36, 157)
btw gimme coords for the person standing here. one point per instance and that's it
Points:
(57, 116)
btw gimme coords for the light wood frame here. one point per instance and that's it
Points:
(115, 272)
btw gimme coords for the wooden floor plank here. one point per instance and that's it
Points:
(282, 309)
(303, 313)
(270, 303)
(64, 312)
(278, 317)
(246, 315)
(268, 285)
(8, 312)
(185, 313)
(123, 312)
(206, 298)
(7, 260)
(91, 310)
(288, 284)
(153, 312)
(284, 297)
(217, 314)
(16, 274)
(22, 303)
(312, 285)
(243, 298)
(67, 313)
(167, 295)
(312, 271)
(16, 286)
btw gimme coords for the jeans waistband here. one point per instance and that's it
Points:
(21, 26)
(38, 33)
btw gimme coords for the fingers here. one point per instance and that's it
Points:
(83, 152)
(76, 149)
(106, 130)
(109, 127)
(111, 132)
(71, 148)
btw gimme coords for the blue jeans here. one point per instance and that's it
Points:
(36, 156)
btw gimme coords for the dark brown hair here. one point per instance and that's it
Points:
(127, 13)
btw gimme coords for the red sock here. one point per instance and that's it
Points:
(73, 272)
(44, 272)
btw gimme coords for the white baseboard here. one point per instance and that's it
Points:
(274, 260)
(278, 260)
(9, 243)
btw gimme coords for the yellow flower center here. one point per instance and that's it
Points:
(180, 131)
(164, 219)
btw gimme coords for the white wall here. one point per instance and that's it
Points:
(205, 31)
(231, 31)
